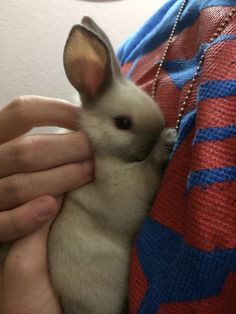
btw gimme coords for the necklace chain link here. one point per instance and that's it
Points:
(218, 32)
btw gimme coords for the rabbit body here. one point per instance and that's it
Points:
(90, 240)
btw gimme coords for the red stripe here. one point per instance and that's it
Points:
(221, 54)
(126, 67)
(210, 216)
(210, 20)
(170, 205)
(167, 95)
(137, 283)
(146, 65)
(216, 112)
(214, 154)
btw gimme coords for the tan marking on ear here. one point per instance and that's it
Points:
(85, 62)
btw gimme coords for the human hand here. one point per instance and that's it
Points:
(25, 286)
(34, 166)
(35, 169)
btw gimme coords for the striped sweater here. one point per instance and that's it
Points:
(184, 257)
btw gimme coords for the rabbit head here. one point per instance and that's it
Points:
(118, 117)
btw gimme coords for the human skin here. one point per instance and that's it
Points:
(31, 194)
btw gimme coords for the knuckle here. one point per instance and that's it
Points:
(16, 188)
(20, 156)
(13, 188)
(23, 153)
(18, 103)
(20, 107)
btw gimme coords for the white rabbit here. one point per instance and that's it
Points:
(90, 240)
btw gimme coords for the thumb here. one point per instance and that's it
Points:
(28, 217)
(27, 288)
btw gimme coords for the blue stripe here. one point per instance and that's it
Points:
(183, 70)
(215, 134)
(132, 68)
(216, 89)
(186, 125)
(210, 3)
(224, 37)
(209, 176)
(175, 270)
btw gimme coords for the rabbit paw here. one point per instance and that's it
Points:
(167, 139)
(164, 146)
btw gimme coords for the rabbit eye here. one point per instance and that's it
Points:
(123, 123)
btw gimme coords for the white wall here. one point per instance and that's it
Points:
(33, 33)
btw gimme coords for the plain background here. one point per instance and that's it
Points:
(33, 34)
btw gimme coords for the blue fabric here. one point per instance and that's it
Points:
(215, 134)
(186, 125)
(177, 271)
(132, 68)
(182, 71)
(208, 176)
(224, 37)
(216, 89)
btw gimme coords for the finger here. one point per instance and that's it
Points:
(27, 112)
(21, 188)
(27, 288)
(41, 152)
(27, 218)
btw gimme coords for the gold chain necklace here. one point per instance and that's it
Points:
(218, 32)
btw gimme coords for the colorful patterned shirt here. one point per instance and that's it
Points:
(184, 257)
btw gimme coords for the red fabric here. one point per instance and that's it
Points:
(138, 285)
(204, 216)
(214, 112)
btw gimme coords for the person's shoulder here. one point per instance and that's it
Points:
(156, 30)
(133, 45)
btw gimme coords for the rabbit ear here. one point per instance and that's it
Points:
(90, 24)
(87, 62)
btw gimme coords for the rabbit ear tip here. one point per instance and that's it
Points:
(87, 21)
(86, 18)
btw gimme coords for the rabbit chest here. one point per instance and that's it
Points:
(90, 241)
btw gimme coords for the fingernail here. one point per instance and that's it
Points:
(46, 207)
